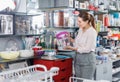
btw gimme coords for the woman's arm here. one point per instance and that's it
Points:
(71, 48)
(70, 38)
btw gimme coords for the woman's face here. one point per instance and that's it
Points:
(82, 23)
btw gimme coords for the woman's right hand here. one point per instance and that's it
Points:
(70, 38)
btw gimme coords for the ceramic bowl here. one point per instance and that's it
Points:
(39, 52)
(26, 53)
(9, 54)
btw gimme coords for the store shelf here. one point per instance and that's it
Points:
(6, 34)
(18, 59)
(27, 34)
(7, 13)
(104, 33)
(17, 35)
(56, 8)
(113, 11)
(116, 70)
(117, 59)
(100, 12)
(65, 27)
(28, 14)
(115, 79)
(62, 8)
(113, 26)
(83, 9)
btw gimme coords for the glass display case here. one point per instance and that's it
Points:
(6, 24)
(29, 24)
(65, 18)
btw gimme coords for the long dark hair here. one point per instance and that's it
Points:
(87, 17)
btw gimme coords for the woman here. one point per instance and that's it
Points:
(84, 45)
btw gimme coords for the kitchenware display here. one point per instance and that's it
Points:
(61, 3)
(50, 52)
(49, 39)
(12, 45)
(39, 52)
(28, 42)
(60, 35)
(62, 40)
(32, 4)
(117, 51)
(113, 56)
(26, 53)
(9, 54)
(6, 24)
(35, 48)
(23, 24)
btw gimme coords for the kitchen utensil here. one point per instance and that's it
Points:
(49, 39)
(26, 53)
(39, 52)
(50, 52)
(60, 35)
(117, 51)
(9, 54)
(12, 45)
(62, 40)
(29, 41)
(35, 48)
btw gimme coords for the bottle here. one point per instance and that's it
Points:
(106, 20)
(3, 24)
(98, 43)
(55, 45)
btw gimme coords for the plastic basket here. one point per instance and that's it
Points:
(76, 79)
(29, 74)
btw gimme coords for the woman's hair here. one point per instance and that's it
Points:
(87, 17)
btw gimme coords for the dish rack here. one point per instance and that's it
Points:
(76, 79)
(29, 74)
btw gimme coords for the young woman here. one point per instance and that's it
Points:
(84, 45)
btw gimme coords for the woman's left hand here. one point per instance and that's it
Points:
(68, 47)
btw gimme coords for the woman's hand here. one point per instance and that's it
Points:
(70, 48)
(69, 38)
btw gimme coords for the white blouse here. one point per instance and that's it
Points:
(86, 41)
